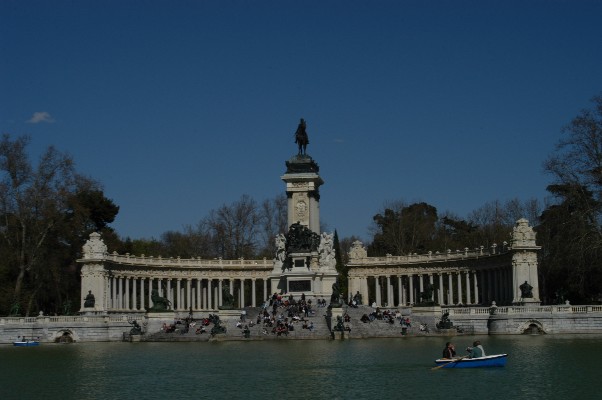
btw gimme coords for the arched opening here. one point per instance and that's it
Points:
(533, 328)
(65, 338)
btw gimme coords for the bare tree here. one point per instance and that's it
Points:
(273, 220)
(577, 161)
(234, 228)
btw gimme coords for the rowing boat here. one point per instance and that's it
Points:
(496, 360)
(26, 343)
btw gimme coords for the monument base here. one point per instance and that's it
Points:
(528, 303)
(155, 320)
(135, 338)
(427, 310)
(229, 315)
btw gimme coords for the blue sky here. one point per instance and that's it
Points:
(178, 107)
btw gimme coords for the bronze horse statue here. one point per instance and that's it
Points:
(301, 137)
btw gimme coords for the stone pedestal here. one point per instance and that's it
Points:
(529, 303)
(135, 338)
(155, 320)
(432, 310)
(336, 312)
(229, 315)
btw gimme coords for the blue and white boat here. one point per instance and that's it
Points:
(26, 342)
(496, 360)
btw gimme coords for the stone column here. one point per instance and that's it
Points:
(142, 297)
(150, 292)
(208, 304)
(404, 295)
(377, 293)
(169, 295)
(440, 289)
(399, 291)
(107, 302)
(198, 294)
(389, 294)
(421, 285)
(431, 282)
(450, 292)
(468, 296)
(188, 293)
(219, 292)
(217, 295)
(135, 294)
(242, 293)
(114, 304)
(209, 294)
(120, 291)
(265, 289)
(411, 280)
(459, 279)
(476, 287)
(178, 293)
(253, 293)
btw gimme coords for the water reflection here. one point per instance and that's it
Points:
(538, 367)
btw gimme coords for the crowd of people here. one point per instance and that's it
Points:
(281, 314)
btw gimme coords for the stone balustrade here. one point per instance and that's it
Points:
(241, 263)
(415, 258)
(559, 309)
(65, 319)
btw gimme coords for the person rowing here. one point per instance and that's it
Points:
(477, 350)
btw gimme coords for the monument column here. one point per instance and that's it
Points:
(242, 293)
(127, 292)
(377, 291)
(219, 291)
(459, 279)
(209, 294)
(142, 299)
(178, 294)
(468, 296)
(476, 286)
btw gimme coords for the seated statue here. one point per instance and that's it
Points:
(89, 300)
(526, 290)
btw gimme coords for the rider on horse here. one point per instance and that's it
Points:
(301, 137)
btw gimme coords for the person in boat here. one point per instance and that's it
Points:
(476, 350)
(449, 351)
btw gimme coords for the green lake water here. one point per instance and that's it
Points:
(539, 367)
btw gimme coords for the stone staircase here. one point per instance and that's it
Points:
(374, 329)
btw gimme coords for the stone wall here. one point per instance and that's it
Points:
(78, 328)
